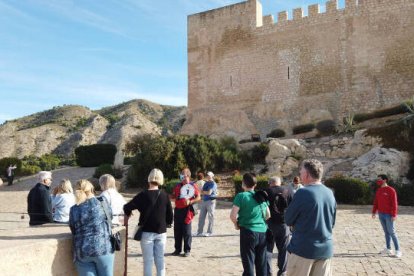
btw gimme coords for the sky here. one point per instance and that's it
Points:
(99, 53)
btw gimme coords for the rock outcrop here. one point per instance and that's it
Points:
(61, 129)
(359, 156)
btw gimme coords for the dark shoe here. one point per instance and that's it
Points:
(175, 253)
(187, 254)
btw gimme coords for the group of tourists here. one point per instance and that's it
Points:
(90, 218)
(298, 218)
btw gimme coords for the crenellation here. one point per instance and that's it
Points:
(268, 20)
(336, 62)
(282, 16)
(313, 10)
(350, 4)
(331, 6)
(297, 14)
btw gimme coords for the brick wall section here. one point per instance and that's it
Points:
(247, 74)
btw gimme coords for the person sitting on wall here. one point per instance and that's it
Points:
(39, 205)
(62, 199)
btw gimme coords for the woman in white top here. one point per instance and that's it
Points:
(62, 199)
(115, 199)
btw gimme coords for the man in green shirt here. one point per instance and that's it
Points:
(250, 217)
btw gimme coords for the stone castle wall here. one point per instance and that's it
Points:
(249, 75)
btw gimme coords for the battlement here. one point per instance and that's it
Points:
(249, 13)
(331, 7)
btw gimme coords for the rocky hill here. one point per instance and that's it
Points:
(61, 129)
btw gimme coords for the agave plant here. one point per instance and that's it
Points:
(349, 124)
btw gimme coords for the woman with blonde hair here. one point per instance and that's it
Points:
(62, 200)
(115, 199)
(155, 216)
(93, 252)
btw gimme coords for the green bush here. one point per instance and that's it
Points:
(259, 153)
(95, 155)
(68, 160)
(171, 154)
(129, 160)
(45, 162)
(5, 162)
(303, 128)
(326, 127)
(169, 185)
(276, 133)
(405, 194)
(262, 183)
(349, 190)
(103, 169)
(29, 169)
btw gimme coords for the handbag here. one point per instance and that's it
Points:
(116, 241)
(138, 233)
(115, 238)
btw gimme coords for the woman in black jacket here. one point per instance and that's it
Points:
(155, 215)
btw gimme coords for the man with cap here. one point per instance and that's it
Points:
(39, 205)
(207, 206)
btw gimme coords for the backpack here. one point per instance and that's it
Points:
(279, 204)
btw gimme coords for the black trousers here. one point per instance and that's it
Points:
(182, 231)
(278, 234)
(10, 180)
(253, 252)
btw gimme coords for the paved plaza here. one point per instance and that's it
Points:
(357, 238)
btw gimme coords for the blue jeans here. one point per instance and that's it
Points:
(389, 230)
(96, 266)
(253, 252)
(153, 247)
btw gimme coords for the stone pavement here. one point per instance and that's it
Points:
(357, 238)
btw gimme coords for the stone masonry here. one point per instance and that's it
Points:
(248, 74)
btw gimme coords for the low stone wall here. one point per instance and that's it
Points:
(44, 250)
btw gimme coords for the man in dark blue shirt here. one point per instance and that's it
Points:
(312, 215)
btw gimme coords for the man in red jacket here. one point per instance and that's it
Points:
(386, 204)
(186, 193)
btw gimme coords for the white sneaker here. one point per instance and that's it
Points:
(197, 234)
(386, 252)
(398, 254)
(207, 235)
